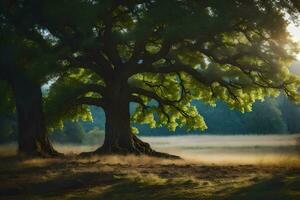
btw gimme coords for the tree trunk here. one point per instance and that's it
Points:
(119, 138)
(118, 135)
(32, 132)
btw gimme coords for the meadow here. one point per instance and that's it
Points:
(213, 167)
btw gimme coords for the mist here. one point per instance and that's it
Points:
(217, 149)
(209, 149)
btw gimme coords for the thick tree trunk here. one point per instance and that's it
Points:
(118, 135)
(32, 132)
(119, 138)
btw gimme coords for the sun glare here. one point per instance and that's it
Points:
(294, 30)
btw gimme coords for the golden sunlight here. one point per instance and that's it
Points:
(294, 30)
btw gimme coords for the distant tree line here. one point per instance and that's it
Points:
(273, 116)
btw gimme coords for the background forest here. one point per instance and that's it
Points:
(272, 116)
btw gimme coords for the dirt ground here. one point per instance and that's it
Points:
(130, 177)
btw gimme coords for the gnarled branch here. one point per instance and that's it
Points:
(88, 101)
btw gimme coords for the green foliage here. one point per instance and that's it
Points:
(74, 132)
(290, 114)
(60, 101)
(272, 116)
(71, 133)
(163, 59)
(237, 65)
(24, 52)
(267, 118)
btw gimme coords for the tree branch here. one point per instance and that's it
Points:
(137, 99)
(85, 64)
(162, 53)
(132, 67)
(175, 69)
(110, 43)
(95, 88)
(161, 101)
(88, 101)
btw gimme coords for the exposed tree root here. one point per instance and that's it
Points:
(49, 152)
(137, 147)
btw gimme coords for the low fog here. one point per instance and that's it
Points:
(207, 149)
(248, 149)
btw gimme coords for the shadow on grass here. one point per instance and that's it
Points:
(155, 189)
(275, 188)
(75, 180)
(59, 185)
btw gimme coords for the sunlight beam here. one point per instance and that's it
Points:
(294, 30)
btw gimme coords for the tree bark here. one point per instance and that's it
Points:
(32, 132)
(118, 135)
(119, 138)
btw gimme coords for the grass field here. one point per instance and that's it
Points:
(214, 168)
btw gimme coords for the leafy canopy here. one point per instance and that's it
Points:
(25, 51)
(168, 54)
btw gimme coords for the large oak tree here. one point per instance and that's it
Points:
(165, 54)
(27, 61)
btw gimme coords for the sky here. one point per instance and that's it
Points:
(295, 33)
